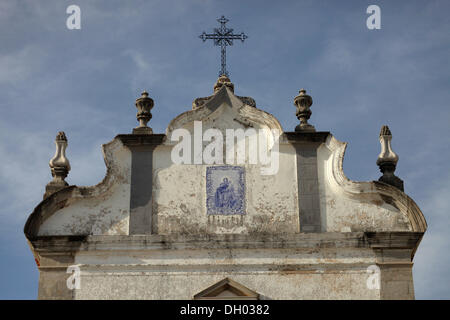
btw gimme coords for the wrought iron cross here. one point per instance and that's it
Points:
(223, 37)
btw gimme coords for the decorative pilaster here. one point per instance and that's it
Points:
(141, 184)
(303, 103)
(387, 160)
(144, 104)
(59, 166)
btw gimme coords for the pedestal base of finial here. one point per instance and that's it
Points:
(142, 130)
(393, 180)
(388, 168)
(54, 186)
(305, 128)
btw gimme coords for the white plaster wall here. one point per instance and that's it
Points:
(106, 209)
(270, 285)
(347, 206)
(321, 274)
(179, 191)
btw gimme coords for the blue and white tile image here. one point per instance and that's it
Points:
(225, 190)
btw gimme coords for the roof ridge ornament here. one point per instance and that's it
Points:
(59, 166)
(387, 160)
(223, 80)
(144, 104)
(303, 103)
(223, 37)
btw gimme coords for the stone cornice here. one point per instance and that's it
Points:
(306, 137)
(131, 140)
(328, 240)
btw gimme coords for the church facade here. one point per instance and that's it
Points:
(226, 205)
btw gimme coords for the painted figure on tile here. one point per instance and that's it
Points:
(225, 196)
(225, 190)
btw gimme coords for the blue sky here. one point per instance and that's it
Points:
(85, 82)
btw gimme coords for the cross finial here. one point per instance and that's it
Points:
(223, 20)
(223, 37)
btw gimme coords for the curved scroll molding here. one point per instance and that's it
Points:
(247, 115)
(72, 194)
(374, 190)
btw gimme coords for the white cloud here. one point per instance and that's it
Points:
(20, 65)
(148, 69)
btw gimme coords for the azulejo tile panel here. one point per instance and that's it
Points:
(225, 190)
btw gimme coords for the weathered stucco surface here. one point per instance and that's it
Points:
(270, 285)
(102, 209)
(179, 199)
(273, 273)
(301, 266)
(352, 206)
